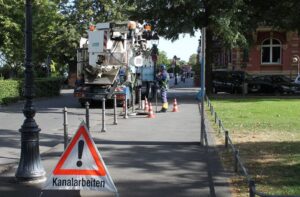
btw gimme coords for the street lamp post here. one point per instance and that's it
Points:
(296, 58)
(175, 58)
(30, 167)
(203, 63)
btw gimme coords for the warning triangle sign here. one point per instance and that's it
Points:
(80, 142)
(81, 166)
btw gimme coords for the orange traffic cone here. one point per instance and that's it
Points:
(175, 107)
(146, 105)
(151, 114)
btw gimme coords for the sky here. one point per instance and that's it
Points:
(183, 48)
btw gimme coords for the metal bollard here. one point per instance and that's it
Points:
(103, 115)
(226, 139)
(65, 111)
(156, 100)
(126, 113)
(140, 98)
(87, 115)
(115, 110)
(236, 155)
(133, 101)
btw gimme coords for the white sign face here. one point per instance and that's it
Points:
(81, 167)
(136, 61)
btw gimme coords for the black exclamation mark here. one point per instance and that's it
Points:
(80, 150)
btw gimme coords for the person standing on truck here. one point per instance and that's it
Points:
(163, 81)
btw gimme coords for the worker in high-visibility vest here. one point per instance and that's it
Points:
(163, 81)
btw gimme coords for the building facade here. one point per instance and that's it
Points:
(271, 52)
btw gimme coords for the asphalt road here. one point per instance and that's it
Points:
(49, 117)
(145, 157)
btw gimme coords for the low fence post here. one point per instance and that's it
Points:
(115, 110)
(87, 115)
(65, 111)
(251, 188)
(103, 115)
(236, 160)
(220, 126)
(216, 117)
(211, 110)
(226, 139)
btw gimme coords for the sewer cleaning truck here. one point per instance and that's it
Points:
(116, 58)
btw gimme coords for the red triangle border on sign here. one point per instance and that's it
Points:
(101, 169)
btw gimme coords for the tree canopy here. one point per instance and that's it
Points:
(231, 22)
(81, 13)
(225, 18)
(163, 59)
(57, 28)
(58, 25)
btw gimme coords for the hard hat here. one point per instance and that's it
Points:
(163, 67)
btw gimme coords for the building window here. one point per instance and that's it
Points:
(271, 51)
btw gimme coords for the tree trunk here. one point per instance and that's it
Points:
(209, 61)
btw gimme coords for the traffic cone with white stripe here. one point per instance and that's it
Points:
(175, 107)
(151, 113)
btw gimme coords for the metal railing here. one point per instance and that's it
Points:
(238, 163)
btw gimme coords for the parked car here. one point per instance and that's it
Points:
(273, 84)
(229, 81)
(297, 79)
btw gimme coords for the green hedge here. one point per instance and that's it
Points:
(12, 90)
(9, 91)
(45, 87)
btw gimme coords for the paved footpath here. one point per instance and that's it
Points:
(145, 157)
